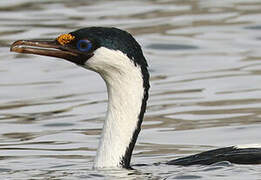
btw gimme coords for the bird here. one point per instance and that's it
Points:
(118, 58)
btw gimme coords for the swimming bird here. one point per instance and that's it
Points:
(118, 58)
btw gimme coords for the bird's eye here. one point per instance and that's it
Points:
(84, 45)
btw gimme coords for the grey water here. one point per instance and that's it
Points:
(205, 65)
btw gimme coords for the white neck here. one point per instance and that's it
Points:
(125, 95)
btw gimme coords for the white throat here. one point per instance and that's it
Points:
(125, 94)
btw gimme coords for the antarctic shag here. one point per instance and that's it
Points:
(118, 58)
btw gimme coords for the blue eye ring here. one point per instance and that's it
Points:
(84, 45)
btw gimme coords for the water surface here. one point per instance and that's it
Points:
(205, 65)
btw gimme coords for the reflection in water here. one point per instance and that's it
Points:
(171, 47)
(205, 65)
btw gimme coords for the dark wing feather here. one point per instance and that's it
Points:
(231, 154)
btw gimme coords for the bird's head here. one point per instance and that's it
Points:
(100, 49)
